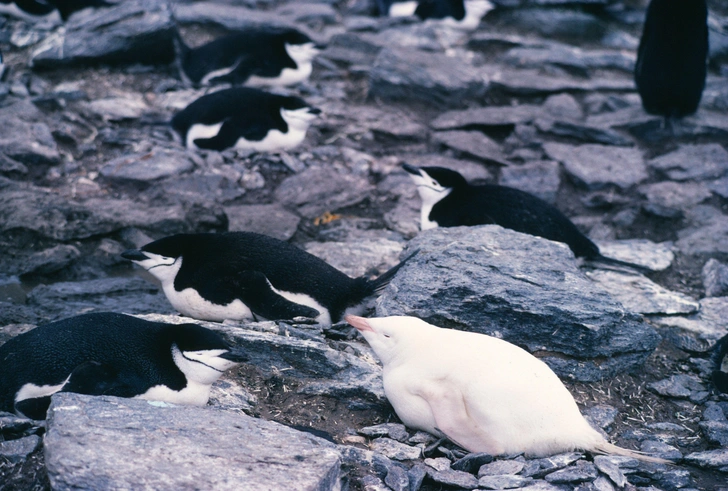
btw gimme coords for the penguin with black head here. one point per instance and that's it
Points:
(112, 354)
(448, 200)
(249, 276)
(672, 57)
(266, 56)
(463, 14)
(244, 118)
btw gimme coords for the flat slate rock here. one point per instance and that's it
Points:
(232, 17)
(669, 198)
(597, 166)
(693, 162)
(472, 143)
(358, 258)
(641, 295)
(707, 234)
(410, 74)
(272, 220)
(158, 163)
(487, 116)
(572, 58)
(133, 31)
(25, 139)
(697, 332)
(540, 178)
(95, 442)
(524, 289)
(643, 252)
(531, 82)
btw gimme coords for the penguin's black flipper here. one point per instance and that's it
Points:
(256, 292)
(97, 379)
(718, 357)
(35, 408)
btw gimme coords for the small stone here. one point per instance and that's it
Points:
(601, 415)
(601, 483)
(397, 479)
(711, 459)
(503, 481)
(541, 178)
(454, 478)
(693, 162)
(553, 463)
(422, 437)
(661, 450)
(472, 143)
(668, 199)
(51, 260)
(675, 479)
(580, 472)
(678, 386)
(715, 278)
(651, 255)
(395, 450)
(716, 432)
(416, 474)
(439, 463)
(395, 431)
(373, 483)
(611, 469)
(501, 467)
(713, 412)
(472, 462)
(158, 163)
(18, 450)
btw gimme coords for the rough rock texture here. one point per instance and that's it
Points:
(496, 294)
(88, 445)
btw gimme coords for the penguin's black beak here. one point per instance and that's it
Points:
(314, 110)
(320, 46)
(237, 355)
(412, 169)
(134, 255)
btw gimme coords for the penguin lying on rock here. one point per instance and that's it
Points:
(463, 14)
(448, 200)
(482, 393)
(112, 354)
(263, 56)
(246, 276)
(244, 118)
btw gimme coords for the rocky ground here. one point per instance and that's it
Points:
(540, 97)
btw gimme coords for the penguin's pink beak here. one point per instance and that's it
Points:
(359, 322)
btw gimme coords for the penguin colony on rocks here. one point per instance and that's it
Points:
(483, 393)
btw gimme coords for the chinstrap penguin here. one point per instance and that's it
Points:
(464, 14)
(248, 276)
(448, 200)
(672, 57)
(482, 393)
(263, 56)
(719, 357)
(112, 354)
(244, 118)
(33, 10)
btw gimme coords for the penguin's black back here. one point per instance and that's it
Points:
(140, 350)
(671, 60)
(260, 51)
(439, 9)
(248, 107)
(510, 208)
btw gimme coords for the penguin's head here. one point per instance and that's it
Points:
(434, 183)
(297, 113)
(390, 337)
(163, 257)
(201, 354)
(300, 47)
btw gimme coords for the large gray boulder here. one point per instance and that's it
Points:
(134, 31)
(95, 443)
(524, 289)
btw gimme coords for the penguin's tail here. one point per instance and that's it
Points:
(378, 284)
(607, 448)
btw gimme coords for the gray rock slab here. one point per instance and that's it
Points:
(582, 471)
(158, 163)
(196, 189)
(472, 143)
(693, 162)
(272, 220)
(563, 107)
(524, 289)
(651, 255)
(410, 74)
(529, 82)
(555, 22)
(550, 464)
(317, 190)
(18, 450)
(601, 415)
(404, 217)
(117, 108)
(611, 469)
(95, 442)
(50, 260)
(438, 463)
(660, 449)
(597, 166)
(642, 295)
(668, 198)
(715, 278)
(716, 432)
(131, 295)
(707, 233)
(697, 332)
(232, 17)
(540, 178)
(490, 116)
(459, 479)
(711, 459)
(503, 482)
(472, 462)
(572, 58)
(677, 386)
(397, 479)
(395, 450)
(582, 132)
(500, 468)
(469, 169)
(134, 31)
(358, 258)
(396, 431)
(26, 138)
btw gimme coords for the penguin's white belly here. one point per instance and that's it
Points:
(288, 76)
(32, 391)
(273, 141)
(191, 304)
(402, 9)
(201, 131)
(194, 394)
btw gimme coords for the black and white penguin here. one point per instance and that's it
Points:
(244, 118)
(672, 57)
(464, 14)
(258, 57)
(719, 357)
(448, 200)
(38, 9)
(112, 354)
(247, 276)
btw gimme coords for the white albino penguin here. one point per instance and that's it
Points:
(483, 393)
